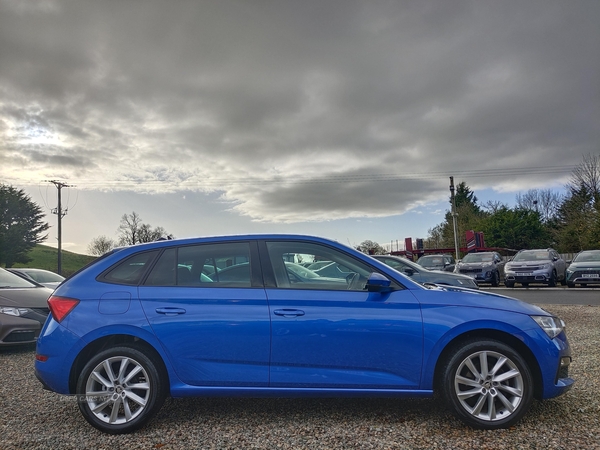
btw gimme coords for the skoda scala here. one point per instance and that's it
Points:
(229, 316)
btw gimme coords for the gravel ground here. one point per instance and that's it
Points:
(33, 418)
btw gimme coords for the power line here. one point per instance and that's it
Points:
(337, 179)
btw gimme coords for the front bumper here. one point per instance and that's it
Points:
(18, 330)
(585, 276)
(529, 277)
(479, 275)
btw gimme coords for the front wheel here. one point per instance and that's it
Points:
(495, 279)
(120, 389)
(487, 384)
(552, 280)
(509, 284)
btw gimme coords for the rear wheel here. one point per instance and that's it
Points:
(487, 384)
(120, 389)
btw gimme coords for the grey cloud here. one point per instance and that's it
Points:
(158, 95)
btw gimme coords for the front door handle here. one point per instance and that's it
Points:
(288, 312)
(170, 311)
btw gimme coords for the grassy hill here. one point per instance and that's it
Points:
(44, 257)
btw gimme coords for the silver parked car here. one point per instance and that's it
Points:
(535, 266)
(584, 269)
(44, 277)
(437, 262)
(422, 275)
(484, 267)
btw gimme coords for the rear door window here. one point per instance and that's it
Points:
(206, 265)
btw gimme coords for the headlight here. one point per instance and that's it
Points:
(547, 266)
(13, 311)
(551, 325)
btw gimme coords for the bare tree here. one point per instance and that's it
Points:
(133, 231)
(493, 206)
(545, 202)
(100, 245)
(586, 177)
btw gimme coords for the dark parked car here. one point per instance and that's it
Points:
(535, 266)
(422, 275)
(44, 277)
(437, 262)
(23, 309)
(484, 267)
(126, 332)
(584, 269)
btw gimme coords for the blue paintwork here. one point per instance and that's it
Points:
(288, 342)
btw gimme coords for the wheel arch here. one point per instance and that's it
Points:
(110, 341)
(497, 335)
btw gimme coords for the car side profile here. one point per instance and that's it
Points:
(422, 275)
(235, 316)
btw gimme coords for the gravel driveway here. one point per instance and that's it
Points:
(33, 418)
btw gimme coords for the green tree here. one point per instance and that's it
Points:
(468, 216)
(21, 225)
(515, 229)
(371, 248)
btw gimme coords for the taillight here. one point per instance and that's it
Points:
(60, 307)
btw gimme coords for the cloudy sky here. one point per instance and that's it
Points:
(339, 118)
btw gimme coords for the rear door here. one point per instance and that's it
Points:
(207, 305)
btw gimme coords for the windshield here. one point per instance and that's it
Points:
(533, 255)
(10, 280)
(432, 260)
(43, 277)
(588, 257)
(478, 257)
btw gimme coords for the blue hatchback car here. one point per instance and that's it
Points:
(227, 316)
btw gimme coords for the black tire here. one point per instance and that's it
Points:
(479, 399)
(136, 387)
(509, 284)
(563, 281)
(495, 279)
(525, 284)
(570, 285)
(552, 280)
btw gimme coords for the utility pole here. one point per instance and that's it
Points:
(60, 213)
(452, 199)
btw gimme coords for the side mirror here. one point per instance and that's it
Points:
(408, 271)
(378, 283)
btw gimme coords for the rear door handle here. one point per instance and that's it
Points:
(288, 312)
(169, 311)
